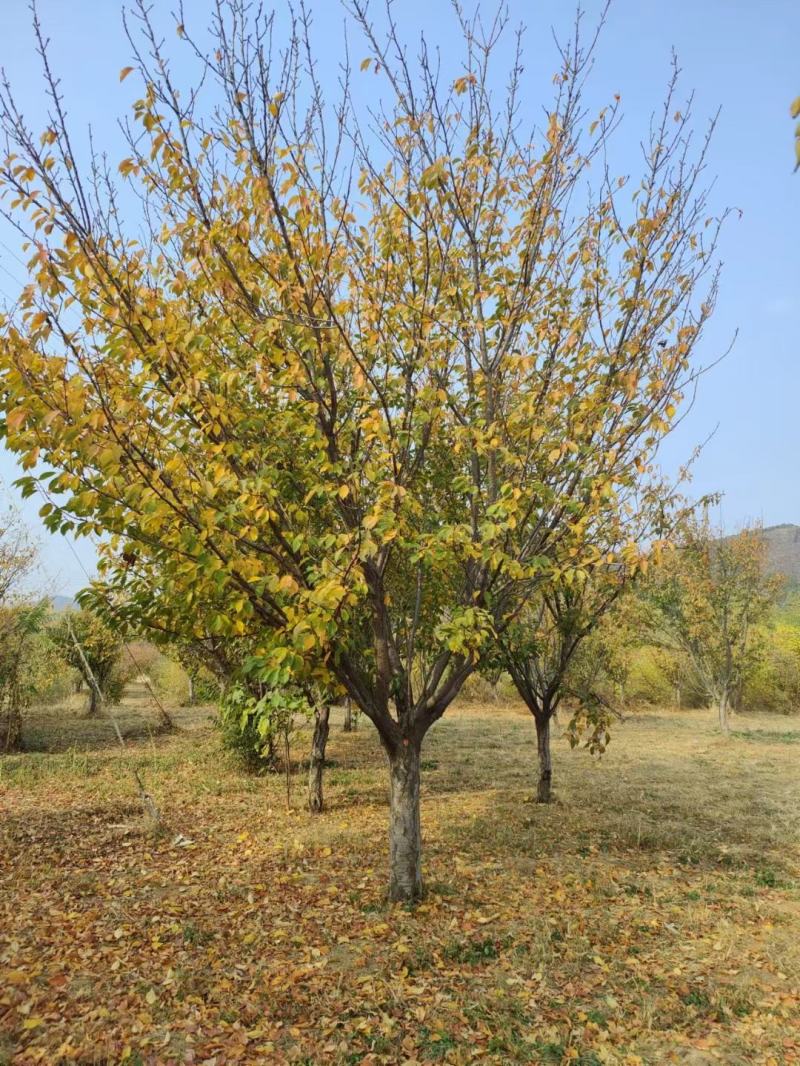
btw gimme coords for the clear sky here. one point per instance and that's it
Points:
(737, 55)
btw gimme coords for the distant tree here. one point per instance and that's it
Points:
(366, 370)
(545, 654)
(774, 685)
(22, 658)
(706, 599)
(19, 622)
(558, 646)
(93, 648)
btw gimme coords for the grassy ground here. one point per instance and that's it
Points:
(650, 915)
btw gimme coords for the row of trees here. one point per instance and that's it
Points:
(47, 655)
(350, 395)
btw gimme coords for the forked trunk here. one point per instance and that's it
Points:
(405, 840)
(545, 764)
(317, 764)
(348, 715)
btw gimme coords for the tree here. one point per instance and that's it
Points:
(544, 649)
(539, 650)
(95, 650)
(360, 379)
(18, 622)
(705, 600)
(20, 663)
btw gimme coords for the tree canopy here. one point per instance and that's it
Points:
(361, 380)
(706, 599)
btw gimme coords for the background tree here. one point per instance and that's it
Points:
(541, 652)
(544, 648)
(95, 650)
(706, 599)
(18, 623)
(21, 662)
(360, 378)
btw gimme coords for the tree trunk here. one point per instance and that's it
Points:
(722, 706)
(190, 693)
(545, 763)
(10, 728)
(348, 715)
(405, 839)
(317, 763)
(94, 702)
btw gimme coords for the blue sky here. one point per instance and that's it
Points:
(736, 55)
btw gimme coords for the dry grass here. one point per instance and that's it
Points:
(648, 916)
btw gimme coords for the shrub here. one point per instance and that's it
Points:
(774, 685)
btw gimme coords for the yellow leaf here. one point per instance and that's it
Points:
(151, 997)
(124, 73)
(365, 63)
(15, 419)
(32, 1023)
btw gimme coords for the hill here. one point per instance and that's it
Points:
(783, 543)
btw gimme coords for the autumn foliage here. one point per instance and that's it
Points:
(364, 384)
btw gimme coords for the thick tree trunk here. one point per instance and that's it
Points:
(722, 706)
(10, 729)
(348, 715)
(190, 693)
(545, 763)
(405, 839)
(317, 763)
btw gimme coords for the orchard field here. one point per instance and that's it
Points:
(648, 915)
(382, 677)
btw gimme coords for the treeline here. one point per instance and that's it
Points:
(50, 657)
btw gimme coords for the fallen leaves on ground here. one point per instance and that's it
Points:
(622, 925)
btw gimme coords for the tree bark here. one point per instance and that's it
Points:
(317, 763)
(190, 693)
(94, 702)
(545, 763)
(348, 715)
(722, 706)
(10, 729)
(405, 838)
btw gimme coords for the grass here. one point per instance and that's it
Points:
(649, 915)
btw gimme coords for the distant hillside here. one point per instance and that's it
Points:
(784, 550)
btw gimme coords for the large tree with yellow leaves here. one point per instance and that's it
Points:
(349, 383)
